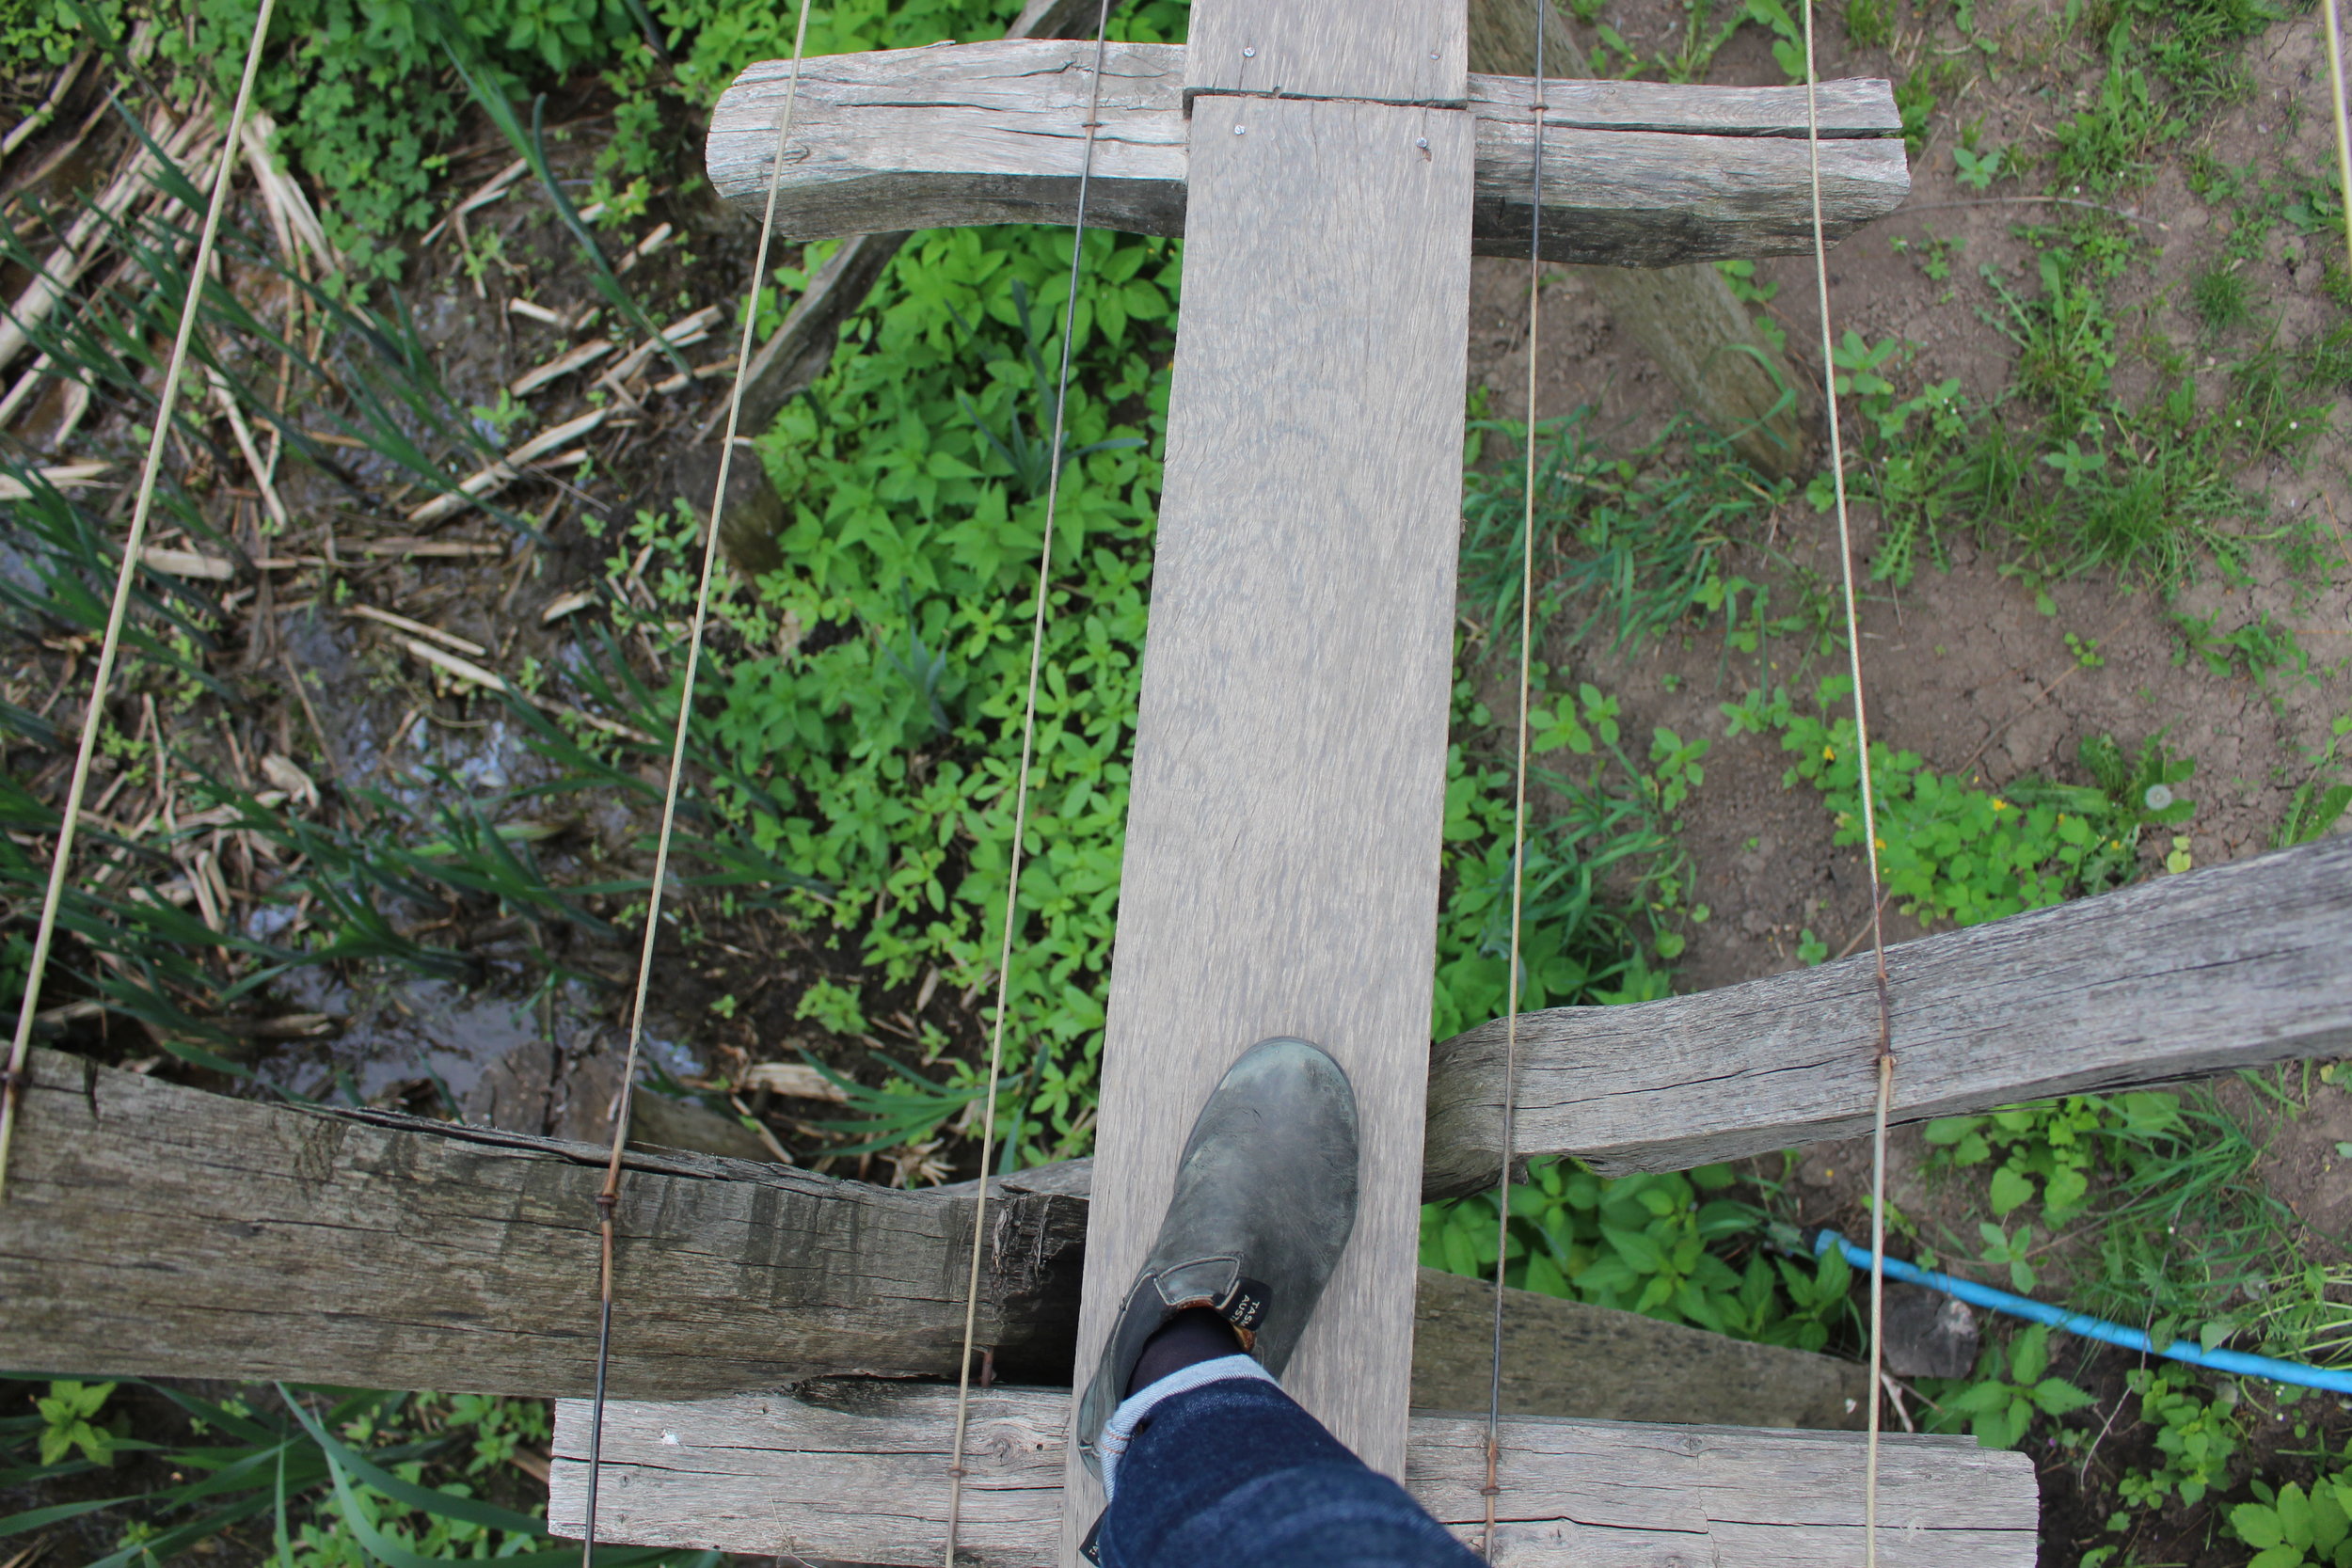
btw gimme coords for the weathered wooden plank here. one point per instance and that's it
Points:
(1372, 50)
(1635, 173)
(852, 1472)
(2229, 967)
(1564, 1358)
(182, 1233)
(1283, 830)
(152, 1229)
(268, 1242)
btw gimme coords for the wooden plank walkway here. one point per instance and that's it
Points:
(1281, 874)
(848, 1472)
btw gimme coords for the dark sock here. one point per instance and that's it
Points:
(1195, 1335)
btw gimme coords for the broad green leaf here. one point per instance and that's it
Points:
(2010, 1189)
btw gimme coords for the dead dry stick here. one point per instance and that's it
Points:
(417, 629)
(490, 480)
(243, 433)
(474, 674)
(31, 124)
(64, 266)
(12, 1080)
(302, 695)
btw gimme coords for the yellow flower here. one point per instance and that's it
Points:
(1880, 842)
(1829, 753)
(1999, 804)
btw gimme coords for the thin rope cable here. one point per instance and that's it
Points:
(1493, 1489)
(1021, 798)
(1885, 1057)
(2344, 125)
(609, 1199)
(20, 1047)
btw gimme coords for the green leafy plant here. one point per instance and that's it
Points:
(69, 1413)
(1978, 171)
(2196, 1436)
(1658, 1245)
(2291, 1526)
(2260, 649)
(2049, 1150)
(2013, 1385)
(335, 1478)
(2317, 805)
(1635, 543)
(1953, 851)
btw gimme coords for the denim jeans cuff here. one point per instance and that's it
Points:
(1121, 1428)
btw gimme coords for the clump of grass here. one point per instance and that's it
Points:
(332, 1475)
(1635, 543)
(2065, 337)
(2220, 297)
(1870, 24)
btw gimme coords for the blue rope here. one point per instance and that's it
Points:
(2093, 1328)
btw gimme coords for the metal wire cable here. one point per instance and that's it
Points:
(1021, 798)
(1518, 801)
(1885, 1055)
(20, 1047)
(609, 1199)
(2343, 126)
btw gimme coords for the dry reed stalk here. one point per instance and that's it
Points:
(65, 265)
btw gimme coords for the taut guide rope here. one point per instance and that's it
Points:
(2343, 126)
(1519, 803)
(609, 1199)
(12, 1081)
(1884, 1058)
(1021, 796)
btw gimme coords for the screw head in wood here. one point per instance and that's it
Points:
(1249, 54)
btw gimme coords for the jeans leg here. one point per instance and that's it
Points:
(1235, 1472)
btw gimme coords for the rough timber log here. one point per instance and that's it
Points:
(852, 1472)
(155, 1228)
(2229, 967)
(1635, 173)
(161, 1230)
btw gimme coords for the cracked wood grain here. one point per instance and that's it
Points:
(160, 1229)
(850, 1472)
(1635, 174)
(157, 1230)
(2233, 966)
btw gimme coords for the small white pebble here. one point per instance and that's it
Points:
(669, 1439)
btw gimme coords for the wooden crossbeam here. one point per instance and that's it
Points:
(2233, 966)
(160, 1230)
(1635, 173)
(153, 1228)
(848, 1472)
